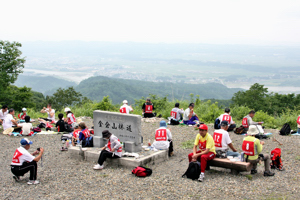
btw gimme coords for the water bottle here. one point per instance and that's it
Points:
(242, 157)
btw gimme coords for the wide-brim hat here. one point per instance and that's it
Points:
(8, 131)
(252, 130)
(106, 134)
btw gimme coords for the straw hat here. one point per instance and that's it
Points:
(8, 131)
(252, 130)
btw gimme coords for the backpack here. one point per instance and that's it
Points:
(37, 129)
(239, 130)
(285, 130)
(141, 171)
(276, 159)
(193, 171)
(217, 124)
(88, 142)
(42, 125)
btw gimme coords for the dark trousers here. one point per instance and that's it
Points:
(149, 115)
(23, 169)
(106, 154)
(231, 127)
(170, 147)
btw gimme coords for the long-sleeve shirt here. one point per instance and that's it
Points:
(257, 147)
(250, 121)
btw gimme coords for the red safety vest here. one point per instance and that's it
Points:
(248, 148)
(218, 139)
(298, 120)
(245, 122)
(202, 145)
(109, 146)
(69, 119)
(21, 116)
(148, 108)
(86, 133)
(161, 135)
(76, 133)
(16, 157)
(227, 118)
(123, 110)
(173, 114)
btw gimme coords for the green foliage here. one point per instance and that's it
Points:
(64, 97)
(105, 104)
(268, 120)
(208, 112)
(10, 62)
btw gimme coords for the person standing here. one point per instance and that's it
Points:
(23, 162)
(125, 108)
(163, 138)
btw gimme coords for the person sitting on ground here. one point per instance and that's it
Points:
(163, 138)
(247, 120)
(3, 113)
(23, 162)
(51, 114)
(75, 136)
(223, 141)
(206, 149)
(60, 124)
(70, 117)
(113, 149)
(298, 123)
(226, 117)
(148, 109)
(22, 115)
(126, 108)
(189, 116)
(176, 114)
(84, 134)
(10, 121)
(252, 148)
(26, 127)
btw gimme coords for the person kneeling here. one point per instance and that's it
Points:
(207, 149)
(113, 149)
(163, 138)
(252, 148)
(23, 162)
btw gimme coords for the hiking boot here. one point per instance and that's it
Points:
(17, 178)
(201, 178)
(171, 154)
(268, 173)
(98, 166)
(253, 171)
(33, 182)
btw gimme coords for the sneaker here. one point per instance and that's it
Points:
(33, 182)
(17, 178)
(253, 171)
(98, 166)
(201, 178)
(268, 173)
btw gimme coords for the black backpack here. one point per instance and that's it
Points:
(285, 130)
(217, 124)
(193, 171)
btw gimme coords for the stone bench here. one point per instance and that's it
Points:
(92, 155)
(235, 166)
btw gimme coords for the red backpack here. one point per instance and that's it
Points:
(141, 171)
(276, 159)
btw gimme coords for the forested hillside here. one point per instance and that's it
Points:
(119, 89)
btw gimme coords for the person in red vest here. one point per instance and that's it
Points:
(148, 109)
(70, 117)
(298, 123)
(84, 134)
(113, 149)
(22, 115)
(252, 147)
(163, 138)
(176, 115)
(226, 117)
(206, 149)
(247, 121)
(23, 162)
(125, 108)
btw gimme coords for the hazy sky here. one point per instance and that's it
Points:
(209, 21)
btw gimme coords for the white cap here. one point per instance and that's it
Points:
(24, 109)
(252, 130)
(67, 109)
(125, 101)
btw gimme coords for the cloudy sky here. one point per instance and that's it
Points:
(210, 21)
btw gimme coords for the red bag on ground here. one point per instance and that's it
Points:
(141, 171)
(276, 159)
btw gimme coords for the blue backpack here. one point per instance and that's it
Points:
(217, 124)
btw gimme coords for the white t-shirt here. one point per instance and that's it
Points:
(128, 108)
(222, 139)
(3, 115)
(187, 113)
(7, 123)
(26, 128)
(52, 111)
(21, 155)
(226, 117)
(178, 113)
(163, 144)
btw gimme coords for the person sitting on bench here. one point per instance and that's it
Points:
(113, 149)
(207, 149)
(163, 138)
(252, 148)
(226, 117)
(189, 116)
(176, 115)
(223, 141)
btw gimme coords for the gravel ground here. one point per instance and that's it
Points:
(64, 178)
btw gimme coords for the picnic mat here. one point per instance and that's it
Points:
(46, 132)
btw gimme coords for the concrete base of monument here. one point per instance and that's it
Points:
(145, 157)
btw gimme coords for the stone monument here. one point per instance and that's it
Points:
(126, 127)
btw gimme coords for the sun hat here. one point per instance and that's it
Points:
(125, 101)
(67, 109)
(203, 127)
(162, 124)
(24, 109)
(106, 134)
(252, 130)
(25, 141)
(8, 131)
